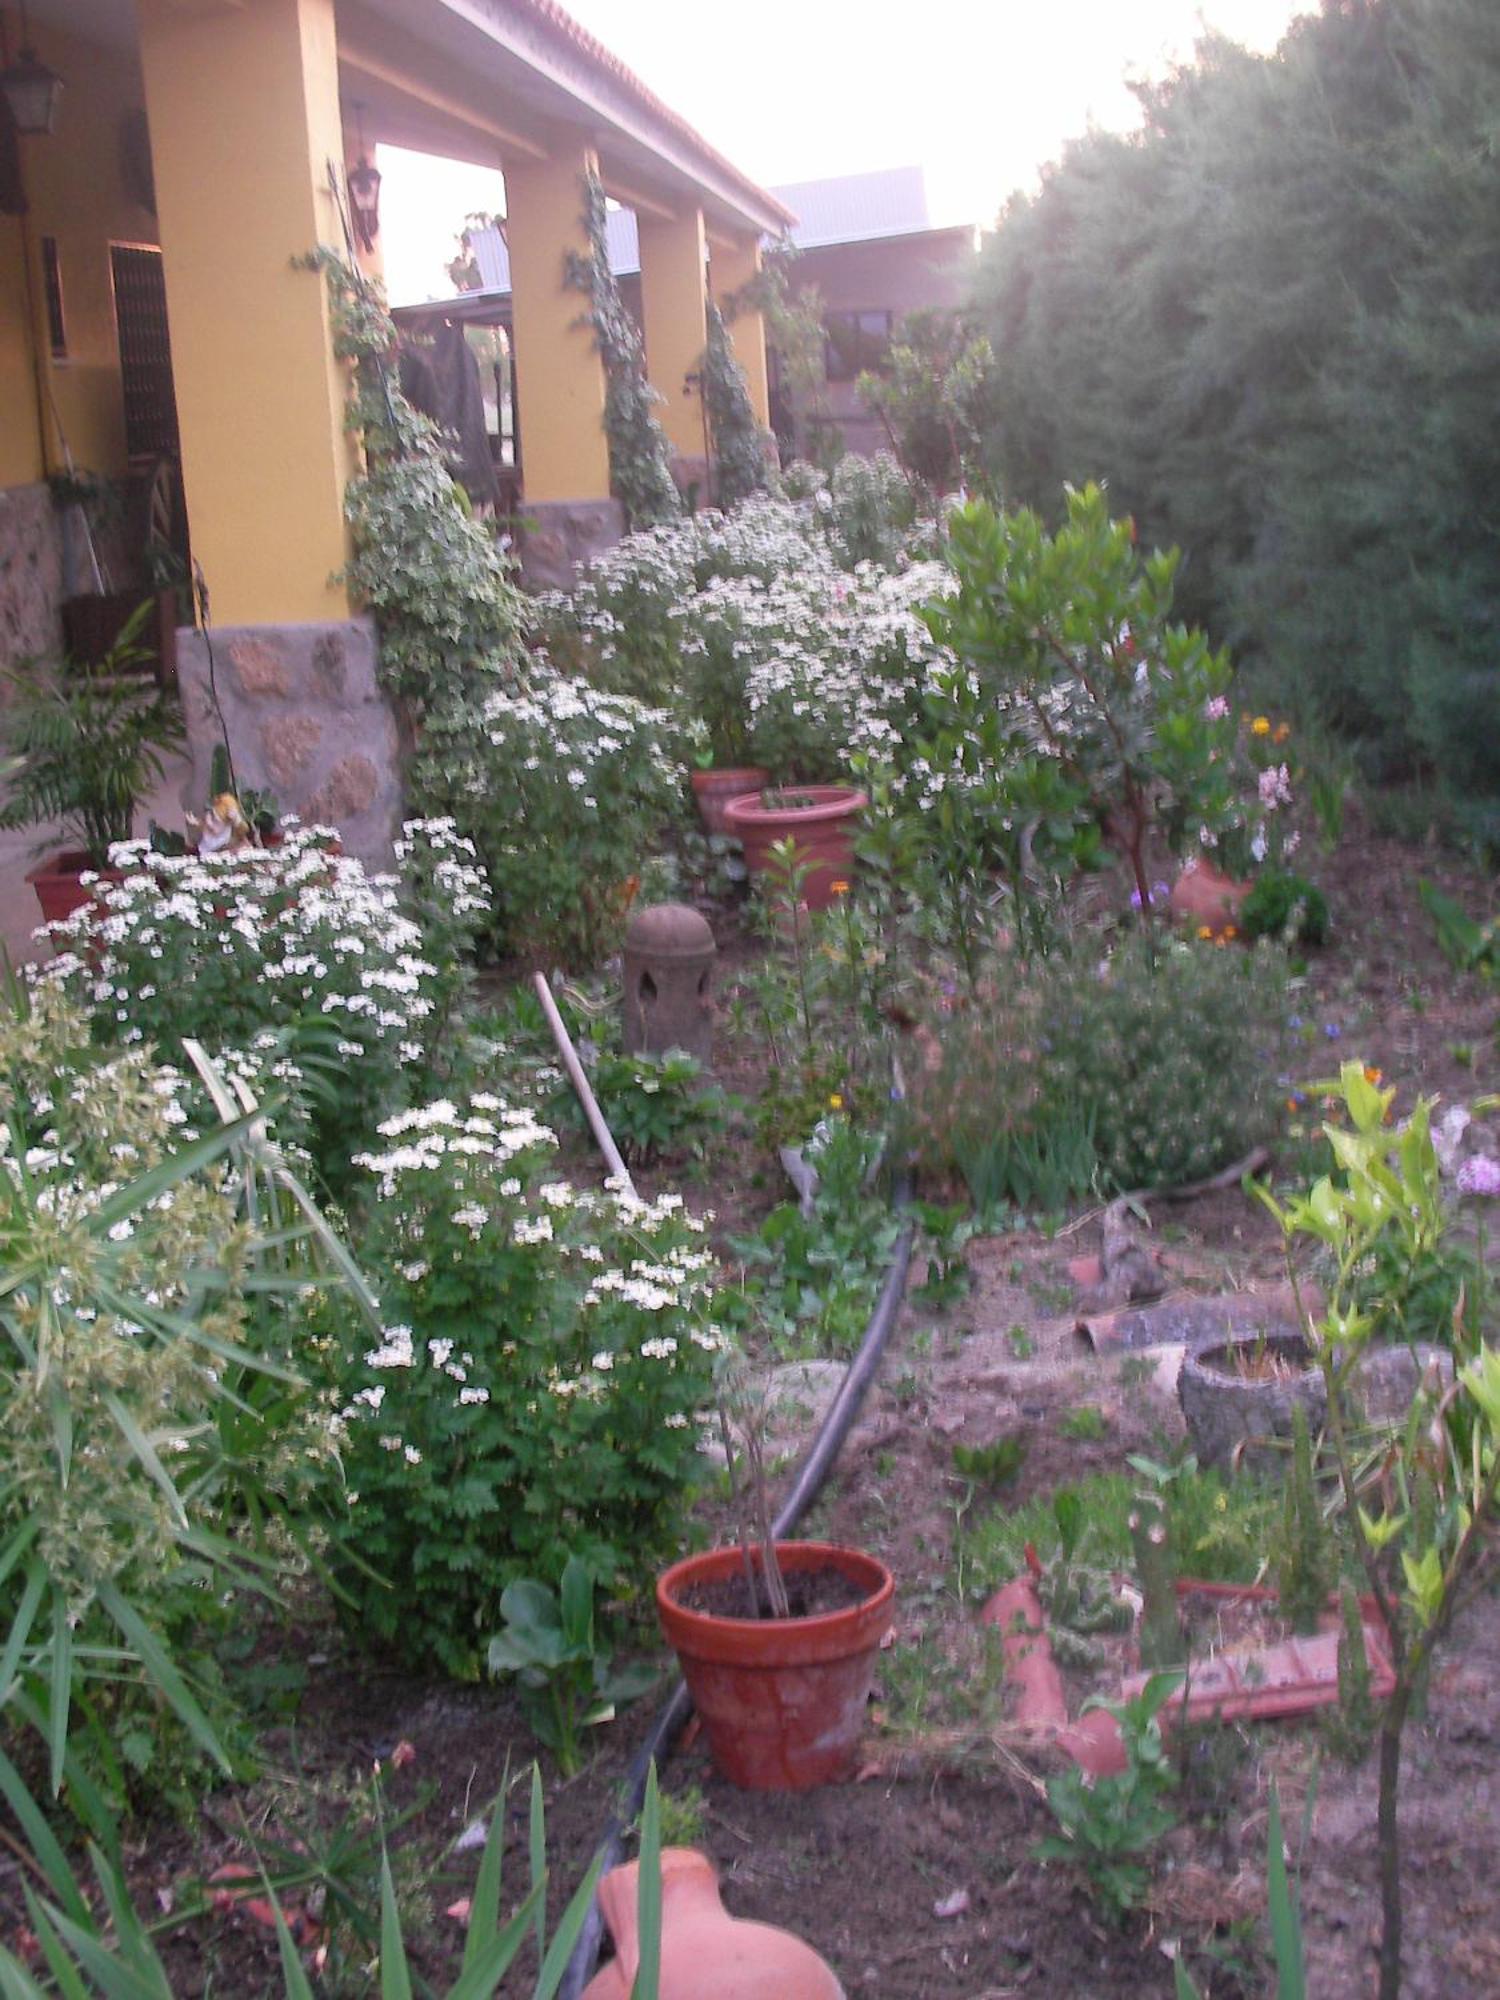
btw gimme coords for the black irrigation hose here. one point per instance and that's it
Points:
(814, 1471)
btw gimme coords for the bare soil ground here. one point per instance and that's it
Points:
(861, 1870)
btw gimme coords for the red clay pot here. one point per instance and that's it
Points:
(714, 789)
(1203, 895)
(823, 831)
(58, 887)
(705, 1953)
(781, 1699)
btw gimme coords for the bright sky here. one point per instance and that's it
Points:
(979, 92)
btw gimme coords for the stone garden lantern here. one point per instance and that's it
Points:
(668, 972)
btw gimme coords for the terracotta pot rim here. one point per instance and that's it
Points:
(832, 802)
(69, 863)
(721, 777)
(711, 1564)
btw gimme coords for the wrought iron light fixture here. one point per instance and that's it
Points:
(30, 89)
(364, 190)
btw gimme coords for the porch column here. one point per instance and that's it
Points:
(733, 265)
(559, 375)
(673, 255)
(244, 111)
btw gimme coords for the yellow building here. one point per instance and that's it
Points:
(152, 311)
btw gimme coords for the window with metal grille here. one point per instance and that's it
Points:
(145, 351)
(57, 325)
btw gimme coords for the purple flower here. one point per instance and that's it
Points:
(1481, 1175)
(1332, 1030)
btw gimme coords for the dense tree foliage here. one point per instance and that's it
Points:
(1270, 320)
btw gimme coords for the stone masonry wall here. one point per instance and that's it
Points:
(30, 575)
(306, 720)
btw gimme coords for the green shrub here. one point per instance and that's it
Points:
(536, 1391)
(1154, 1068)
(1173, 1049)
(1285, 906)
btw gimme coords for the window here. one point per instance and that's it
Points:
(145, 351)
(57, 326)
(854, 341)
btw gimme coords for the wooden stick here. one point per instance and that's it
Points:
(578, 1077)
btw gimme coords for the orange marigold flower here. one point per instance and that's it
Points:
(1372, 1075)
(1230, 931)
(838, 888)
(1205, 930)
(1281, 732)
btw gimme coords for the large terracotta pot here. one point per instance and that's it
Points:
(705, 1953)
(782, 1700)
(1204, 896)
(714, 789)
(58, 886)
(823, 830)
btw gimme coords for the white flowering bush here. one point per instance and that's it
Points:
(538, 1389)
(756, 623)
(293, 958)
(565, 790)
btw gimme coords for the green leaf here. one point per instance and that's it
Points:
(395, 1974)
(484, 1904)
(169, 1682)
(555, 1964)
(648, 1893)
(1286, 1928)
(61, 1690)
(537, 1844)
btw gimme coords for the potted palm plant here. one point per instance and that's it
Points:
(87, 745)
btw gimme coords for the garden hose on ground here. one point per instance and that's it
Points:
(811, 1476)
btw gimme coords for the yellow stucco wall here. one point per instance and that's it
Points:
(559, 377)
(674, 308)
(244, 120)
(730, 266)
(77, 193)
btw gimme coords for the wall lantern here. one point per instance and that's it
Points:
(32, 91)
(364, 191)
(364, 199)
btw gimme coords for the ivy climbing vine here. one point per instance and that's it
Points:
(640, 457)
(451, 618)
(739, 443)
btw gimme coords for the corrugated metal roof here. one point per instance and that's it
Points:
(493, 259)
(854, 208)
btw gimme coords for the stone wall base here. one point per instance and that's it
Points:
(306, 719)
(557, 536)
(31, 584)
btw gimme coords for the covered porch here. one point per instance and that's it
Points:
(165, 351)
(202, 146)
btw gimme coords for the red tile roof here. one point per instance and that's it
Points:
(557, 21)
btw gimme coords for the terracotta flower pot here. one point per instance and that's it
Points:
(714, 789)
(59, 887)
(1205, 897)
(705, 1953)
(823, 829)
(781, 1699)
